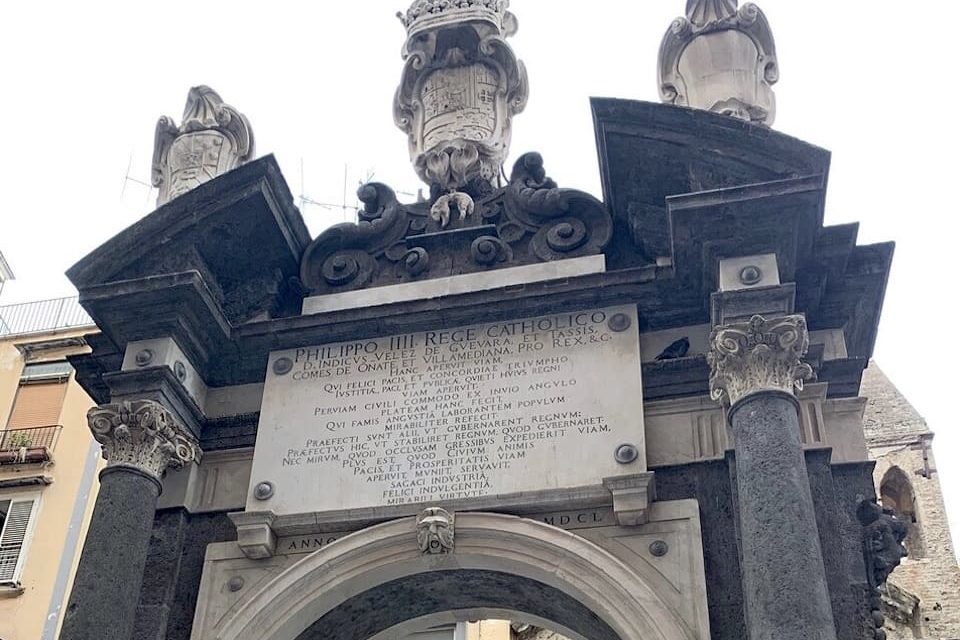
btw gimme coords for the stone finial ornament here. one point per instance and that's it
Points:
(759, 355)
(460, 88)
(435, 531)
(141, 434)
(722, 59)
(212, 139)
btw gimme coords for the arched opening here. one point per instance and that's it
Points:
(376, 580)
(419, 596)
(896, 494)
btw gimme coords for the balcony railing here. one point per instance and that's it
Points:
(25, 446)
(43, 315)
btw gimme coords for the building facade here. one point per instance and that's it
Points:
(48, 464)
(922, 597)
(632, 418)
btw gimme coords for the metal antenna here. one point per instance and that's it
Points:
(128, 178)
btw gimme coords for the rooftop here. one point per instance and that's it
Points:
(42, 316)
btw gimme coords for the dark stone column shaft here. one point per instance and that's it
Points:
(106, 588)
(784, 583)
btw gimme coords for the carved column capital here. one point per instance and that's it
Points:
(141, 434)
(759, 355)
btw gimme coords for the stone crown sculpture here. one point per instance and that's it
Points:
(212, 139)
(460, 88)
(722, 59)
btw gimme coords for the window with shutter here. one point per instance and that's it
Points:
(16, 521)
(37, 404)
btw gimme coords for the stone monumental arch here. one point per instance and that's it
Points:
(633, 419)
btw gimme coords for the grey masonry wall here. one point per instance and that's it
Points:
(898, 437)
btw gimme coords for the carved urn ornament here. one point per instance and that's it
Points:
(212, 139)
(460, 87)
(722, 59)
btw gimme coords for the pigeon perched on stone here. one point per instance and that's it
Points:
(677, 349)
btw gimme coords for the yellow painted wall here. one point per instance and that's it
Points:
(489, 630)
(22, 616)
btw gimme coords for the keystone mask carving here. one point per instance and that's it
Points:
(759, 355)
(435, 531)
(212, 139)
(460, 88)
(722, 59)
(141, 434)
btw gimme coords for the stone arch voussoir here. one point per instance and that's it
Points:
(316, 585)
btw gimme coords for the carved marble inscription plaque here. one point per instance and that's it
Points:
(450, 415)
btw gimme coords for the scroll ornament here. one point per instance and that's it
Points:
(141, 434)
(529, 220)
(212, 139)
(759, 355)
(435, 531)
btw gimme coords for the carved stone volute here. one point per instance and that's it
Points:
(141, 434)
(460, 88)
(530, 220)
(212, 139)
(756, 356)
(722, 59)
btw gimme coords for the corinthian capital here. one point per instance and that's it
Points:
(143, 435)
(759, 355)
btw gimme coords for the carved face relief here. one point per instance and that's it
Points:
(435, 531)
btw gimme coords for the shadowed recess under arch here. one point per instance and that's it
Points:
(397, 601)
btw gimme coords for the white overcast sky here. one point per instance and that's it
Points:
(84, 82)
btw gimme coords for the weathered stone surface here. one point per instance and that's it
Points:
(721, 59)
(529, 221)
(783, 572)
(106, 588)
(758, 356)
(477, 411)
(212, 139)
(141, 434)
(461, 87)
(906, 478)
